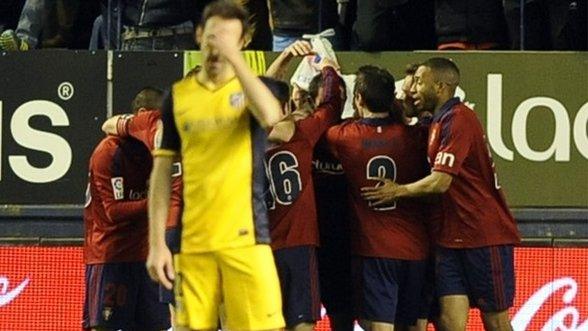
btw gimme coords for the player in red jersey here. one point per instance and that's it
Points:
(119, 292)
(330, 196)
(292, 211)
(474, 259)
(390, 243)
(145, 126)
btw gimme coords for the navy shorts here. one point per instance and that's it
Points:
(122, 296)
(485, 275)
(429, 309)
(389, 290)
(298, 273)
(335, 279)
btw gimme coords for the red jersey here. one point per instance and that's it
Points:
(292, 209)
(143, 127)
(115, 213)
(475, 213)
(370, 149)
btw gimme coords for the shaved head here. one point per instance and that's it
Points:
(443, 70)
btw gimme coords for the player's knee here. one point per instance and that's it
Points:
(452, 322)
(304, 327)
(496, 321)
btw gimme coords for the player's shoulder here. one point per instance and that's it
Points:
(108, 143)
(183, 83)
(105, 150)
(458, 113)
(147, 118)
(344, 128)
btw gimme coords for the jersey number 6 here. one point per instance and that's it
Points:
(284, 178)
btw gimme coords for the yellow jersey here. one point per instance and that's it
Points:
(222, 148)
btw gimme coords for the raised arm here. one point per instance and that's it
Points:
(159, 260)
(279, 67)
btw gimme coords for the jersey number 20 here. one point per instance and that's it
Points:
(378, 167)
(284, 178)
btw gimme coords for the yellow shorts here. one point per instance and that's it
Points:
(243, 279)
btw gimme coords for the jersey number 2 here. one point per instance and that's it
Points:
(378, 167)
(284, 178)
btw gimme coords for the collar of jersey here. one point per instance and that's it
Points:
(218, 87)
(446, 107)
(377, 121)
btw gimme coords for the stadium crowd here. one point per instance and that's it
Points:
(255, 201)
(363, 25)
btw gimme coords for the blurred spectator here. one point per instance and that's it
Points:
(472, 24)
(394, 25)
(159, 24)
(71, 26)
(549, 25)
(155, 31)
(28, 31)
(290, 19)
(261, 39)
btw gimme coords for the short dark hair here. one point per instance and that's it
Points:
(411, 69)
(149, 97)
(226, 9)
(279, 89)
(444, 69)
(376, 87)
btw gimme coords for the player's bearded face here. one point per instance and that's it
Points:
(231, 30)
(423, 90)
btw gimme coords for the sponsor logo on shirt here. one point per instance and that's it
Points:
(118, 189)
(7, 296)
(445, 159)
(137, 195)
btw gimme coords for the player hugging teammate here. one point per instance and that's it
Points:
(430, 232)
(284, 205)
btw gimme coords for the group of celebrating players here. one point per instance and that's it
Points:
(247, 199)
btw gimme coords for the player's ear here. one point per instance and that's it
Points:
(359, 100)
(198, 35)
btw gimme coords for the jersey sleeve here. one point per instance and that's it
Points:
(169, 144)
(110, 188)
(456, 140)
(141, 127)
(328, 112)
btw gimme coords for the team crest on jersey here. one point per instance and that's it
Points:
(118, 188)
(237, 100)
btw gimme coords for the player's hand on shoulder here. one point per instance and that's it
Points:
(382, 194)
(160, 265)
